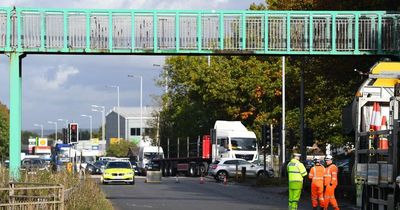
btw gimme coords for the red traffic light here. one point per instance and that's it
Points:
(73, 127)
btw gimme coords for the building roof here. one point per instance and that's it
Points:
(134, 112)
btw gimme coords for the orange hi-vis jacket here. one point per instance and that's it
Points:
(330, 177)
(317, 174)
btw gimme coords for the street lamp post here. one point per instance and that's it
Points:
(91, 121)
(116, 86)
(63, 120)
(141, 101)
(41, 128)
(55, 123)
(96, 108)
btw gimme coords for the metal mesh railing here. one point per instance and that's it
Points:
(33, 196)
(108, 31)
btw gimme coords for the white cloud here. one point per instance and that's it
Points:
(60, 78)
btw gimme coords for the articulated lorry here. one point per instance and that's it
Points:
(376, 118)
(227, 139)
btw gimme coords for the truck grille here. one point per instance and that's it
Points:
(117, 174)
(246, 157)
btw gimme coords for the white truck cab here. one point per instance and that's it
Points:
(235, 141)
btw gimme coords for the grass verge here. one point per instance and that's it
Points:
(86, 194)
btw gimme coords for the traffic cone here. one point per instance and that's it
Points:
(225, 181)
(383, 141)
(378, 118)
(201, 179)
(176, 179)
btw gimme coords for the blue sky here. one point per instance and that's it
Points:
(62, 86)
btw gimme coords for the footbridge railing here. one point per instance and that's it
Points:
(40, 30)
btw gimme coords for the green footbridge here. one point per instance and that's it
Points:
(26, 31)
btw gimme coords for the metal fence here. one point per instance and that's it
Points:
(32, 196)
(152, 31)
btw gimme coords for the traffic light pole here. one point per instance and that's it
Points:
(272, 145)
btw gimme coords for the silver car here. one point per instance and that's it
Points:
(226, 167)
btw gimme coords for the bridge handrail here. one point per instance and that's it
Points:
(124, 31)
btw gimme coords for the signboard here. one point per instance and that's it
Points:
(94, 141)
(42, 150)
(114, 140)
(95, 147)
(42, 142)
(135, 139)
(31, 144)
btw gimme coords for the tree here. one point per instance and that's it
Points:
(4, 130)
(26, 135)
(120, 149)
(231, 88)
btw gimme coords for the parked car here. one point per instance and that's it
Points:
(34, 164)
(118, 171)
(92, 169)
(135, 167)
(226, 167)
(101, 164)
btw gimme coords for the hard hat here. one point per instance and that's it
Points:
(328, 157)
(296, 155)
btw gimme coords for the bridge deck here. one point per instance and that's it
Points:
(30, 30)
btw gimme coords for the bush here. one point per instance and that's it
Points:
(85, 193)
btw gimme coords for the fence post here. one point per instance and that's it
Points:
(11, 193)
(61, 197)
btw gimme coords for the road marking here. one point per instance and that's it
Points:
(140, 206)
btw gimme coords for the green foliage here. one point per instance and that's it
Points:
(120, 149)
(26, 135)
(4, 130)
(327, 5)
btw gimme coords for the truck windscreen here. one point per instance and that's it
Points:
(248, 144)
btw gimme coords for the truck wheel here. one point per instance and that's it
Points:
(221, 175)
(203, 169)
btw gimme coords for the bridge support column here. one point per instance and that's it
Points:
(15, 113)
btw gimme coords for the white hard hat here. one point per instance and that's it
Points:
(296, 155)
(328, 157)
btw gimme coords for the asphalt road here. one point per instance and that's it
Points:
(190, 194)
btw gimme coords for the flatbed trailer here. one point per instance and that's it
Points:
(189, 166)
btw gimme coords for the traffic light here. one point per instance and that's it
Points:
(266, 134)
(65, 134)
(73, 133)
(277, 134)
(308, 137)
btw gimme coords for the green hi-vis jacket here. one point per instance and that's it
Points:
(296, 171)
